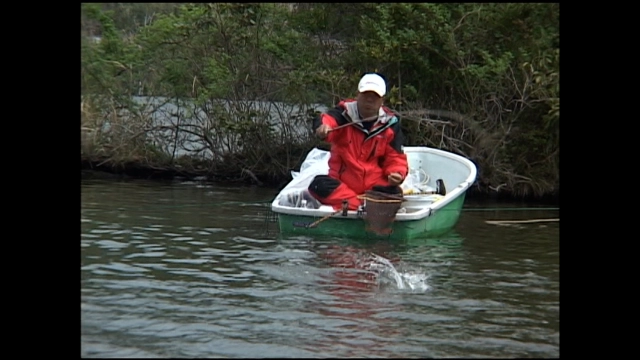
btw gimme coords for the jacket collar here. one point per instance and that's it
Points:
(351, 113)
(385, 120)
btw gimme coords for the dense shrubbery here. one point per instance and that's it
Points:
(229, 88)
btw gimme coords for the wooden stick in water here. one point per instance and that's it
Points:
(504, 222)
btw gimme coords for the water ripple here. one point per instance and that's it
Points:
(167, 272)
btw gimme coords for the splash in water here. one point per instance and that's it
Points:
(376, 270)
(403, 280)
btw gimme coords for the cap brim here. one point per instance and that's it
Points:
(372, 90)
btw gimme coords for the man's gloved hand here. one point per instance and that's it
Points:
(395, 179)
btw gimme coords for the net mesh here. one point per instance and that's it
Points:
(380, 211)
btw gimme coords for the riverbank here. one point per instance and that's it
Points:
(132, 170)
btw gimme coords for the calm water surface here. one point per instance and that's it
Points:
(184, 269)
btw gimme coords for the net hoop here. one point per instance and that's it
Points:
(380, 211)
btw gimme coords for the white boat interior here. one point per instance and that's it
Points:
(426, 166)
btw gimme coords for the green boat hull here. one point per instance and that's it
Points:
(439, 222)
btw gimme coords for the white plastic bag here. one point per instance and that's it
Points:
(416, 182)
(316, 163)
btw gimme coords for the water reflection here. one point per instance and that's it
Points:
(351, 306)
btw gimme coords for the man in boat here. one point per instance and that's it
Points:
(366, 154)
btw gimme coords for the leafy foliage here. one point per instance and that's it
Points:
(487, 72)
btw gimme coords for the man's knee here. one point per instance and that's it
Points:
(323, 185)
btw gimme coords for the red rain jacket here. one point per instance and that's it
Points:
(359, 158)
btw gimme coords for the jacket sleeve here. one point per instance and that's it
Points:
(395, 160)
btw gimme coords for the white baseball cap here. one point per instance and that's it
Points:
(373, 82)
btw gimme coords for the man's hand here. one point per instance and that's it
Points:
(395, 179)
(323, 130)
